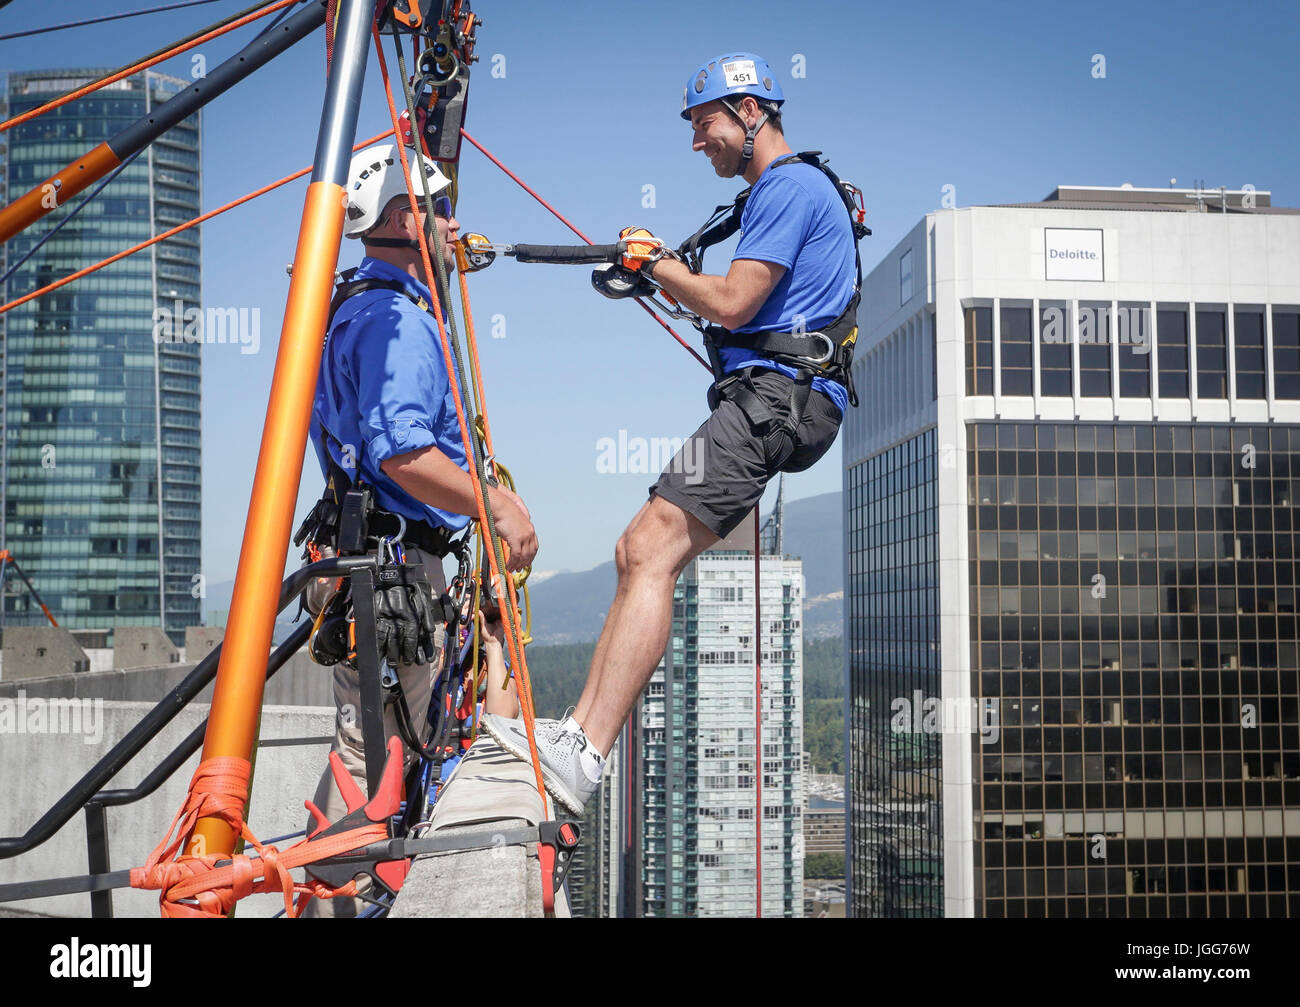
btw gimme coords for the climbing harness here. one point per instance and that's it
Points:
(831, 352)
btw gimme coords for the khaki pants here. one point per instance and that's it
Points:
(417, 686)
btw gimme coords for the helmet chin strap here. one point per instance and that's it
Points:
(747, 151)
(410, 243)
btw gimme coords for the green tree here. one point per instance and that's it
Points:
(824, 866)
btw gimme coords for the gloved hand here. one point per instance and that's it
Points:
(640, 253)
(404, 615)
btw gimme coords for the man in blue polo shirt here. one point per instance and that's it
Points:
(794, 273)
(384, 416)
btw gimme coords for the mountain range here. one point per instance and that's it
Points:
(570, 607)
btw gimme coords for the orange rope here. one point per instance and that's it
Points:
(172, 231)
(516, 658)
(142, 65)
(524, 685)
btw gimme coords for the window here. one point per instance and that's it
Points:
(1248, 329)
(1054, 351)
(1017, 351)
(1211, 355)
(1171, 335)
(905, 277)
(979, 351)
(1134, 334)
(1286, 353)
(1094, 351)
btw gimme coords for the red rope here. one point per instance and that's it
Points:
(758, 720)
(331, 15)
(170, 232)
(143, 64)
(528, 189)
(517, 659)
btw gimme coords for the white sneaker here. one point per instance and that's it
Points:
(559, 751)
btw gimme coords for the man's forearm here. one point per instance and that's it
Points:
(707, 295)
(434, 479)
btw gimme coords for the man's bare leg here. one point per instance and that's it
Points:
(650, 556)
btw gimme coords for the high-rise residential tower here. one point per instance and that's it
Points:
(698, 742)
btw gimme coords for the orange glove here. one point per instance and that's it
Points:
(639, 252)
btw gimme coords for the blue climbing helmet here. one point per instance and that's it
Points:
(728, 79)
(733, 74)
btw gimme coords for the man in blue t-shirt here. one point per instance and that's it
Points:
(794, 271)
(384, 416)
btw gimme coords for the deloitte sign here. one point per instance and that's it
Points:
(1073, 253)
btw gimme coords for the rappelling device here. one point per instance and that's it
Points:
(441, 83)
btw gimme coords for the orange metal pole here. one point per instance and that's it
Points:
(57, 190)
(237, 698)
(237, 694)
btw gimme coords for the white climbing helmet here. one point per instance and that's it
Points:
(374, 178)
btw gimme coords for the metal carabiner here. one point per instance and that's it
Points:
(427, 64)
(830, 347)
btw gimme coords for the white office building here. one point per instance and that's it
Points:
(1071, 560)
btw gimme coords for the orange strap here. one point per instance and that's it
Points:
(196, 887)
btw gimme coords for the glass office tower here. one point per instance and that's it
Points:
(1092, 405)
(101, 469)
(892, 629)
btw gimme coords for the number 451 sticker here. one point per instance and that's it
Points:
(738, 72)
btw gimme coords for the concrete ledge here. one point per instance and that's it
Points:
(490, 792)
(301, 682)
(142, 647)
(39, 768)
(41, 652)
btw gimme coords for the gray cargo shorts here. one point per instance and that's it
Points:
(722, 469)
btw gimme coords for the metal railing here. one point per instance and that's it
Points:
(87, 794)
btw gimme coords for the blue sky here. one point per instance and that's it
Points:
(996, 99)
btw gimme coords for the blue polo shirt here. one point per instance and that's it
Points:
(795, 218)
(383, 391)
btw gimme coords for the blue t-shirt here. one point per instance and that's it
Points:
(383, 391)
(795, 218)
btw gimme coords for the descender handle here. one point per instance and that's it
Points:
(570, 254)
